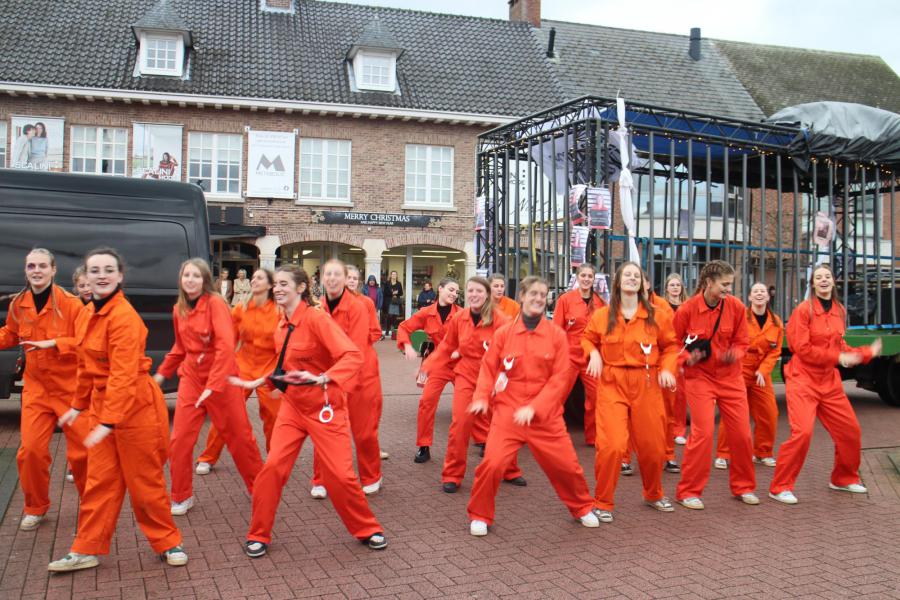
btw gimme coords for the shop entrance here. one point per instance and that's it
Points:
(310, 256)
(416, 265)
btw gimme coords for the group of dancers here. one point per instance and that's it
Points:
(316, 374)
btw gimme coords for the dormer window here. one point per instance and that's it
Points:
(163, 40)
(372, 59)
(161, 54)
(375, 71)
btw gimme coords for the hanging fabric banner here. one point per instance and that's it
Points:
(599, 201)
(626, 183)
(479, 213)
(579, 244)
(601, 286)
(270, 164)
(576, 216)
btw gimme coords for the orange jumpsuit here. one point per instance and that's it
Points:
(429, 320)
(354, 314)
(114, 382)
(510, 308)
(814, 389)
(572, 314)
(630, 405)
(710, 383)
(256, 357)
(471, 341)
(763, 353)
(677, 403)
(537, 358)
(203, 354)
(48, 385)
(318, 346)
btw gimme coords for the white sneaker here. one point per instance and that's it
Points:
(30, 522)
(203, 468)
(750, 499)
(69, 477)
(478, 528)
(768, 461)
(175, 557)
(856, 488)
(720, 463)
(318, 492)
(385, 455)
(604, 516)
(589, 519)
(680, 440)
(372, 488)
(785, 497)
(181, 508)
(693, 503)
(73, 562)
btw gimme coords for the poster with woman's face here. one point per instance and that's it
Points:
(37, 143)
(156, 152)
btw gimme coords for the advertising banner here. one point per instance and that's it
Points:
(37, 143)
(270, 164)
(579, 244)
(599, 201)
(156, 152)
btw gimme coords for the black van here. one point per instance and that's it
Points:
(154, 224)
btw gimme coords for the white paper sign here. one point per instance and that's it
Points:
(270, 164)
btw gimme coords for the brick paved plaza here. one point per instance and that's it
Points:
(831, 545)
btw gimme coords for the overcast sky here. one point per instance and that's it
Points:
(857, 26)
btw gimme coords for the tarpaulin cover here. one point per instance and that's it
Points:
(852, 132)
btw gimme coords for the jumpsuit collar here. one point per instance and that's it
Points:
(104, 306)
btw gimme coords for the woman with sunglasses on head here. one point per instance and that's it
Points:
(574, 310)
(519, 382)
(203, 355)
(815, 333)
(433, 320)
(713, 325)
(255, 320)
(316, 366)
(128, 423)
(633, 354)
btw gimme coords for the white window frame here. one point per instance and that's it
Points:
(429, 203)
(359, 65)
(323, 198)
(214, 147)
(146, 37)
(4, 144)
(99, 146)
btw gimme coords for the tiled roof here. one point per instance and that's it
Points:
(778, 76)
(161, 16)
(451, 63)
(377, 35)
(643, 66)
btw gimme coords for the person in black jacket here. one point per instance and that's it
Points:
(392, 303)
(427, 296)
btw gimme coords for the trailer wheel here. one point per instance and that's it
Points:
(889, 384)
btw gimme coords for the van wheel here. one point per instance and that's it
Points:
(889, 383)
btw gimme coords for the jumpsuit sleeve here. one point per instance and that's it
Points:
(374, 325)
(223, 345)
(237, 316)
(549, 399)
(679, 325)
(405, 329)
(561, 313)
(72, 306)
(490, 365)
(864, 351)
(592, 334)
(9, 333)
(768, 362)
(668, 343)
(440, 358)
(740, 339)
(348, 358)
(175, 356)
(123, 344)
(799, 342)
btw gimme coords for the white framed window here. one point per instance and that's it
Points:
(429, 176)
(325, 171)
(214, 162)
(3, 151)
(375, 71)
(99, 150)
(161, 54)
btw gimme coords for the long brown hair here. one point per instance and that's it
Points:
(714, 269)
(270, 277)
(299, 276)
(812, 292)
(487, 309)
(17, 295)
(209, 287)
(615, 298)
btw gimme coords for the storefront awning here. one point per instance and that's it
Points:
(219, 231)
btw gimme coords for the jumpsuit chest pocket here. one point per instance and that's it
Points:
(724, 333)
(614, 347)
(300, 352)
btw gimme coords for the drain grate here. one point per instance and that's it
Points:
(9, 477)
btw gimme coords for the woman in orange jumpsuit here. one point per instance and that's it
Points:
(675, 297)
(433, 321)
(128, 423)
(519, 379)
(44, 312)
(364, 400)
(633, 353)
(713, 325)
(815, 333)
(468, 336)
(317, 363)
(203, 354)
(766, 335)
(573, 311)
(254, 322)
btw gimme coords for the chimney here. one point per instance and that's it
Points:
(277, 5)
(528, 11)
(695, 43)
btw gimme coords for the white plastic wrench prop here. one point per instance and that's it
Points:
(502, 379)
(647, 349)
(327, 413)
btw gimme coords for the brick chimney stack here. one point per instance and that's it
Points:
(528, 11)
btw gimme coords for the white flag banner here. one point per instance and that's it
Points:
(270, 164)
(626, 183)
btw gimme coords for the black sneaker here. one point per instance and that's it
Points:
(450, 487)
(481, 453)
(423, 454)
(627, 469)
(672, 467)
(255, 549)
(516, 481)
(376, 542)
